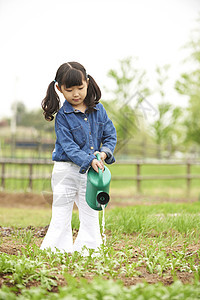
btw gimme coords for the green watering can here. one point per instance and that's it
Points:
(97, 191)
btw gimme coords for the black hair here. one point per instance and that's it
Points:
(70, 74)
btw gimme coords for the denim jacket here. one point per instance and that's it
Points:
(80, 134)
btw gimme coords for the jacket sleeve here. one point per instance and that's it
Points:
(73, 151)
(109, 138)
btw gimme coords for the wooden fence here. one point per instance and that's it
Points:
(138, 177)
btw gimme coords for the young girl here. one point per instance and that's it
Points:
(82, 129)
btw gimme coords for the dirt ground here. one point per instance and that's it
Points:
(44, 200)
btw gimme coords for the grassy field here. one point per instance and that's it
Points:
(152, 252)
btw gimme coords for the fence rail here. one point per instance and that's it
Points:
(30, 163)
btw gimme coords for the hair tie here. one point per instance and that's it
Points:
(54, 80)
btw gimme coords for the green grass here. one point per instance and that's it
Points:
(108, 290)
(18, 217)
(165, 188)
(129, 170)
(6, 151)
(129, 219)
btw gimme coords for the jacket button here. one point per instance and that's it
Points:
(85, 119)
(91, 147)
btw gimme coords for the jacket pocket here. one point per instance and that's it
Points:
(99, 129)
(79, 135)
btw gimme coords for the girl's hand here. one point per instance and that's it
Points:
(102, 154)
(96, 164)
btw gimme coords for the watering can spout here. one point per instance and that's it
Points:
(97, 191)
(103, 198)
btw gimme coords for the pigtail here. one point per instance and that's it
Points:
(51, 103)
(93, 94)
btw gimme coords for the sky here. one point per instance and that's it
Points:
(37, 36)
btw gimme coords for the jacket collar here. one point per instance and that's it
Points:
(68, 108)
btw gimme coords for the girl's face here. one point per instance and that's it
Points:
(75, 95)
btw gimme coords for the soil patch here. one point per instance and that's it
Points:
(44, 200)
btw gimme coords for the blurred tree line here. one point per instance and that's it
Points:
(171, 125)
(33, 119)
(189, 85)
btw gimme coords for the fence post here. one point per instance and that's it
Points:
(3, 176)
(138, 179)
(188, 178)
(30, 185)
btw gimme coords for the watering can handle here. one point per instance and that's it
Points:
(100, 171)
(98, 156)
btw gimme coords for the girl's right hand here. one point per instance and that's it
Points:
(96, 164)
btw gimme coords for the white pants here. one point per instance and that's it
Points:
(69, 186)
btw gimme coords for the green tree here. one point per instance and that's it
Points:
(165, 128)
(128, 79)
(189, 85)
(129, 91)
